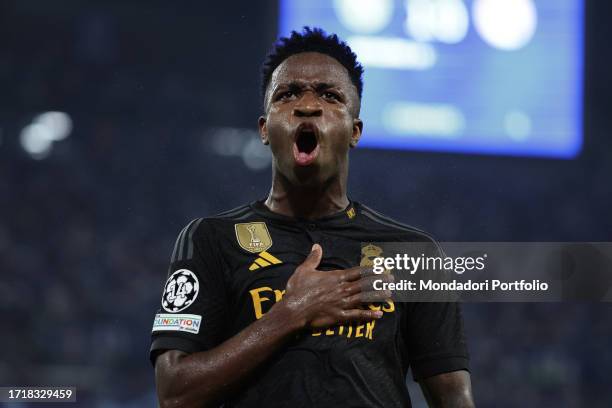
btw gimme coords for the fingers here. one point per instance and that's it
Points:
(365, 290)
(350, 288)
(365, 284)
(346, 317)
(360, 315)
(373, 282)
(314, 257)
(371, 296)
(353, 274)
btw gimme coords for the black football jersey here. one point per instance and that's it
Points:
(228, 270)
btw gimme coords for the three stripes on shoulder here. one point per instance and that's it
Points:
(183, 247)
(264, 259)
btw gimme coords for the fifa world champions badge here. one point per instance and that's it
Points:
(253, 236)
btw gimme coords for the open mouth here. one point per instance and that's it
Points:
(306, 146)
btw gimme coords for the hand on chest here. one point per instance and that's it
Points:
(267, 259)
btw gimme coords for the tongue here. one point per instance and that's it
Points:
(304, 159)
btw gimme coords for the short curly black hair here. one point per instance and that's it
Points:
(312, 40)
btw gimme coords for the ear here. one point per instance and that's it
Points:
(263, 130)
(357, 128)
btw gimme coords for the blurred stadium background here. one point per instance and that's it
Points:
(157, 118)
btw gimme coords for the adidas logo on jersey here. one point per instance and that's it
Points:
(263, 260)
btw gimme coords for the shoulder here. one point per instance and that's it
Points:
(234, 215)
(224, 222)
(380, 222)
(208, 224)
(203, 230)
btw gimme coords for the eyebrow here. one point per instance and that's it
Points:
(295, 85)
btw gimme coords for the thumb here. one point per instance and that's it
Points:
(314, 257)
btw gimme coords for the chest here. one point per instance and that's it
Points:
(262, 256)
(262, 260)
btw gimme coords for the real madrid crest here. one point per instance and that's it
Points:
(253, 236)
(368, 253)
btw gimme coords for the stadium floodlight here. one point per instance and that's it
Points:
(37, 137)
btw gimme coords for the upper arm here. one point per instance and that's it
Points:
(435, 338)
(437, 349)
(165, 366)
(434, 333)
(192, 314)
(448, 390)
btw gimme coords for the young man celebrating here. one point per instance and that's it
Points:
(266, 305)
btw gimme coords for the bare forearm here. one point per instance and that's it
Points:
(201, 379)
(459, 400)
(449, 390)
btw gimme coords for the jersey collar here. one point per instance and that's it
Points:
(349, 213)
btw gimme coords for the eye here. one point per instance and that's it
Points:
(285, 95)
(331, 95)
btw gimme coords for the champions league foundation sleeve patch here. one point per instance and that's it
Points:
(177, 322)
(181, 291)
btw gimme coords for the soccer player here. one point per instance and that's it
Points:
(264, 305)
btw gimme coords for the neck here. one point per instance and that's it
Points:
(307, 202)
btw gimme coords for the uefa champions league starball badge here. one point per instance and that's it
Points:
(181, 291)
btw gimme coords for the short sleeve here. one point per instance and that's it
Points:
(435, 339)
(435, 333)
(193, 306)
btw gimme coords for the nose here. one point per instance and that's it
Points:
(308, 105)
